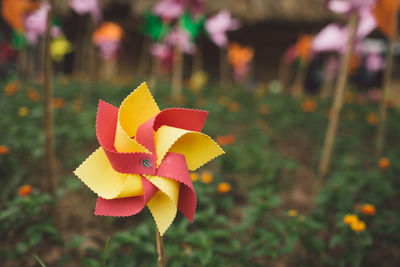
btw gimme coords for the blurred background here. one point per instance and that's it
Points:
(303, 97)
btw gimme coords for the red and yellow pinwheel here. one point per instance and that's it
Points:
(144, 158)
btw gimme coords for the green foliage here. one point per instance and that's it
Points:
(251, 224)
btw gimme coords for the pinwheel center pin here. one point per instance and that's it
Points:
(146, 163)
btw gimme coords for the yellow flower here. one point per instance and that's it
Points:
(194, 176)
(206, 177)
(223, 188)
(197, 81)
(358, 226)
(350, 218)
(293, 213)
(23, 111)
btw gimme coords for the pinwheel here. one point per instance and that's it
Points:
(385, 13)
(240, 57)
(349, 6)
(181, 39)
(36, 23)
(83, 7)
(108, 38)
(13, 12)
(334, 37)
(218, 25)
(169, 9)
(59, 48)
(374, 62)
(144, 158)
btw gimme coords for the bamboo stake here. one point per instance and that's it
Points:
(338, 101)
(177, 76)
(48, 111)
(387, 79)
(223, 68)
(144, 57)
(298, 86)
(160, 250)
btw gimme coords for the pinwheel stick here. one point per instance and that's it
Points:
(337, 102)
(48, 112)
(387, 79)
(177, 75)
(160, 250)
(223, 68)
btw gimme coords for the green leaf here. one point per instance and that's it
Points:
(39, 260)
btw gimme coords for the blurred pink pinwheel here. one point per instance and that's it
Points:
(169, 9)
(349, 6)
(334, 37)
(144, 158)
(181, 38)
(83, 7)
(218, 25)
(36, 23)
(374, 62)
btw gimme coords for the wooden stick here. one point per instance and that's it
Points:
(338, 100)
(177, 76)
(144, 57)
(48, 110)
(160, 250)
(298, 86)
(223, 68)
(387, 80)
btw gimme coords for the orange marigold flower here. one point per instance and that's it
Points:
(358, 226)
(308, 106)
(350, 218)
(264, 109)
(224, 140)
(194, 176)
(11, 88)
(384, 163)
(58, 102)
(293, 213)
(206, 177)
(223, 188)
(33, 95)
(23, 111)
(233, 106)
(4, 150)
(372, 118)
(25, 190)
(368, 209)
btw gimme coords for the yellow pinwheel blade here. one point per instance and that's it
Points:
(136, 109)
(133, 186)
(124, 144)
(197, 147)
(163, 205)
(97, 173)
